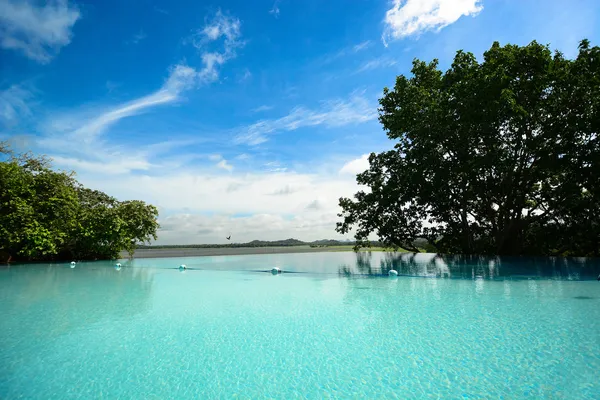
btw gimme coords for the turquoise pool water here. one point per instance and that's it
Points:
(337, 328)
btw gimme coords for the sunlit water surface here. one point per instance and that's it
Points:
(338, 327)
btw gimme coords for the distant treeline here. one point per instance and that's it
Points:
(255, 243)
(420, 243)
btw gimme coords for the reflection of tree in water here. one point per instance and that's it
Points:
(48, 302)
(362, 266)
(405, 263)
(474, 267)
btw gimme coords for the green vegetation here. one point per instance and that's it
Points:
(494, 157)
(48, 215)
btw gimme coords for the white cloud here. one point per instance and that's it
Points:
(317, 204)
(13, 104)
(356, 166)
(223, 164)
(261, 108)
(381, 62)
(181, 78)
(138, 37)
(118, 165)
(278, 204)
(338, 112)
(220, 27)
(86, 129)
(275, 166)
(287, 189)
(75, 139)
(206, 190)
(246, 75)
(361, 46)
(211, 63)
(275, 9)
(413, 17)
(38, 31)
(194, 228)
(115, 160)
(328, 58)
(223, 26)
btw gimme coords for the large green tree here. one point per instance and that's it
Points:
(493, 157)
(47, 214)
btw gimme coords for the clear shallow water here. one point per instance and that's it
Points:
(334, 329)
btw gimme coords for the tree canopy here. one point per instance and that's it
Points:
(47, 214)
(493, 157)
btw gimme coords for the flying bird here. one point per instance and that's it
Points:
(228, 237)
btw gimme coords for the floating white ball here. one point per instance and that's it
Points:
(182, 267)
(393, 272)
(73, 263)
(118, 266)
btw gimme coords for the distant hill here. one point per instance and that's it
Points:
(259, 243)
(419, 243)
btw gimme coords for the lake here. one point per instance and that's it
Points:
(332, 325)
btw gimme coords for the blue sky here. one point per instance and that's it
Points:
(249, 118)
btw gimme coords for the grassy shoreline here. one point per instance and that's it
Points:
(230, 251)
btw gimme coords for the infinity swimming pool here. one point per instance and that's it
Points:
(333, 325)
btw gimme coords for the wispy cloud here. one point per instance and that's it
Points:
(161, 10)
(361, 46)
(275, 9)
(87, 129)
(120, 165)
(245, 76)
(337, 112)
(181, 78)
(381, 62)
(223, 164)
(76, 139)
(111, 86)
(38, 31)
(14, 104)
(275, 166)
(101, 158)
(138, 37)
(346, 51)
(413, 17)
(223, 27)
(261, 109)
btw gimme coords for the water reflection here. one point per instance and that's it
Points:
(472, 267)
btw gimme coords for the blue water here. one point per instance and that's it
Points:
(339, 327)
